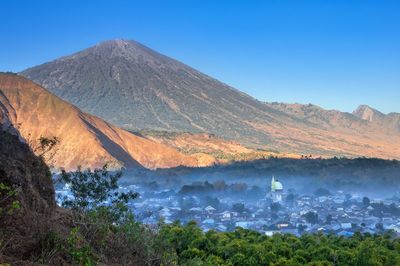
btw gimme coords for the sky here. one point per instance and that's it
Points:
(334, 53)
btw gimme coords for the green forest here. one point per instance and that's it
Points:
(245, 247)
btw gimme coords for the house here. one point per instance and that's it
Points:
(336, 227)
(338, 200)
(226, 216)
(322, 198)
(221, 228)
(345, 225)
(292, 231)
(243, 224)
(345, 233)
(271, 232)
(195, 209)
(165, 212)
(210, 209)
(282, 225)
(209, 221)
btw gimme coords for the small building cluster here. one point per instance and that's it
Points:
(277, 212)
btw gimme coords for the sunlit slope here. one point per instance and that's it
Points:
(85, 140)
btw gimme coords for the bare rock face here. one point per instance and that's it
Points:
(85, 140)
(389, 122)
(367, 113)
(28, 176)
(137, 88)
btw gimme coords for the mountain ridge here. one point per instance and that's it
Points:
(106, 48)
(137, 88)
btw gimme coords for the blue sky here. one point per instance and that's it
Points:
(333, 53)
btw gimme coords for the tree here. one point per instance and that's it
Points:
(366, 254)
(366, 201)
(95, 189)
(220, 185)
(329, 219)
(290, 198)
(186, 203)
(379, 226)
(301, 228)
(348, 197)
(238, 260)
(238, 207)
(46, 144)
(311, 217)
(44, 147)
(214, 202)
(8, 198)
(275, 207)
(322, 192)
(254, 193)
(239, 187)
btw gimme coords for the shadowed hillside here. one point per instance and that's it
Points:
(27, 198)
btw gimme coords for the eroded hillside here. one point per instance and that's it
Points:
(84, 139)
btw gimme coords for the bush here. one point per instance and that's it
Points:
(8, 199)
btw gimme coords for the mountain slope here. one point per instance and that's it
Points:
(137, 88)
(367, 113)
(391, 120)
(84, 139)
(221, 150)
(344, 133)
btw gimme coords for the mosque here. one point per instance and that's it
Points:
(276, 190)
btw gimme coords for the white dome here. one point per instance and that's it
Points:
(278, 185)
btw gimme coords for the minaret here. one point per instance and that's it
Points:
(273, 184)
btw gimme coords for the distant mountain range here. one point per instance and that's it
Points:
(136, 88)
(85, 140)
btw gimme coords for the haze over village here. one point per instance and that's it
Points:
(270, 209)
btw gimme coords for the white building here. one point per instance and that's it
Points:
(209, 209)
(276, 190)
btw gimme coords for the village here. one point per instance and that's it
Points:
(224, 207)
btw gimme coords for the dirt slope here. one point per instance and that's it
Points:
(85, 140)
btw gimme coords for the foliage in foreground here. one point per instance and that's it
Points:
(108, 233)
(246, 247)
(133, 244)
